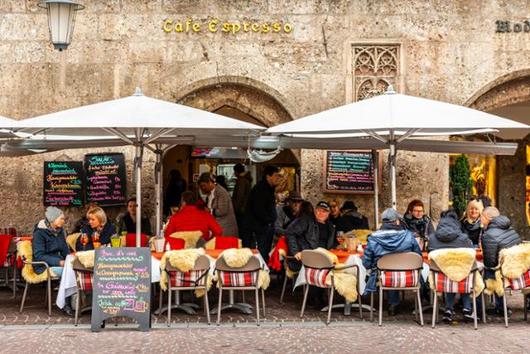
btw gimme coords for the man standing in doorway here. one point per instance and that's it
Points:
(261, 212)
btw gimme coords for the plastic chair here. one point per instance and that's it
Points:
(445, 285)
(293, 277)
(317, 267)
(243, 278)
(84, 278)
(398, 271)
(517, 284)
(226, 242)
(197, 278)
(130, 240)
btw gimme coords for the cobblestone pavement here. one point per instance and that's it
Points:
(281, 330)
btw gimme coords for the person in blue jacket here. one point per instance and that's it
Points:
(392, 237)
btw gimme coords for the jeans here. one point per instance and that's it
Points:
(393, 297)
(57, 271)
(450, 301)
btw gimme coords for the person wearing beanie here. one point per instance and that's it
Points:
(392, 237)
(49, 244)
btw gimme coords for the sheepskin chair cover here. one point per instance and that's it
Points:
(185, 261)
(25, 250)
(239, 257)
(190, 237)
(345, 281)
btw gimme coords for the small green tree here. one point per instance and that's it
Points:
(461, 183)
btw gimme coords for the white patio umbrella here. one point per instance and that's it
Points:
(392, 119)
(136, 120)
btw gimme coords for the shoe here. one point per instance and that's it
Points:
(393, 310)
(498, 311)
(67, 309)
(448, 316)
(468, 315)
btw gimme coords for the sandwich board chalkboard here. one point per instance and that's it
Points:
(63, 183)
(106, 179)
(349, 172)
(122, 286)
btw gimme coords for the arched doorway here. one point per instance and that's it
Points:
(509, 96)
(239, 101)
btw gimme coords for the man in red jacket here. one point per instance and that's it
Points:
(191, 217)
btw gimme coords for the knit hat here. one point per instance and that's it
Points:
(390, 215)
(52, 213)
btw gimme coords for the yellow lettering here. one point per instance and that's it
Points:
(276, 27)
(167, 25)
(287, 28)
(179, 28)
(196, 27)
(246, 26)
(265, 28)
(235, 28)
(188, 24)
(255, 27)
(212, 26)
(226, 27)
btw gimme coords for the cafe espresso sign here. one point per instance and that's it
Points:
(215, 25)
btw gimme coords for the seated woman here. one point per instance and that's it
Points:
(471, 221)
(193, 216)
(99, 230)
(49, 245)
(127, 221)
(416, 220)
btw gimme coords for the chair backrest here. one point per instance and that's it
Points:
(226, 242)
(190, 237)
(253, 264)
(315, 259)
(5, 242)
(130, 240)
(79, 267)
(71, 240)
(202, 263)
(400, 261)
(434, 267)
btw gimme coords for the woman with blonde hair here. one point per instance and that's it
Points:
(471, 221)
(97, 232)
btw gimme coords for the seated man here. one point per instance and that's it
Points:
(449, 234)
(351, 219)
(127, 221)
(309, 232)
(192, 217)
(392, 237)
(498, 235)
(287, 213)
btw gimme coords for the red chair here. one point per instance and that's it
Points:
(175, 243)
(130, 240)
(226, 242)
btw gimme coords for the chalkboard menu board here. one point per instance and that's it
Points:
(122, 286)
(106, 178)
(349, 172)
(63, 183)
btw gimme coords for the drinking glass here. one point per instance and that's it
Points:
(84, 240)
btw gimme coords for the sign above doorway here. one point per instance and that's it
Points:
(214, 25)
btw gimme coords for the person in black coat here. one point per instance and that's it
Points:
(97, 223)
(471, 222)
(449, 234)
(127, 221)
(175, 187)
(260, 214)
(351, 219)
(416, 220)
(309, 232)
(498, 235)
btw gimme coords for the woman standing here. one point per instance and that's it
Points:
(471, 221)
(98, 231)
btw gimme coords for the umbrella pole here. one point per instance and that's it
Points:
(138, 160)
(158, 180)
(393, 173)
(375, 155)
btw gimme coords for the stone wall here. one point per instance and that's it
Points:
(446, 50)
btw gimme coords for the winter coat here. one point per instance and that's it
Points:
(473, 230)
(284, 219)
(351, 220)
(191, 218)
(389, 239)
(421, 227)
(449, 234)
(126, 223)
(498, 235)
(104, 236)
(223, 211)
(261, 206)
(241, 192)
(303, 234)
(48, 245)
(173, 193)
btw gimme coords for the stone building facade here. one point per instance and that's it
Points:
(275, 61)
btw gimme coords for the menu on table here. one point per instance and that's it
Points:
(63, 183)
(106, 179)
(349, 172)
(122, 286)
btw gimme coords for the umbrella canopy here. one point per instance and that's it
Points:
(391, 119)
(6, 124)
(136, 120)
